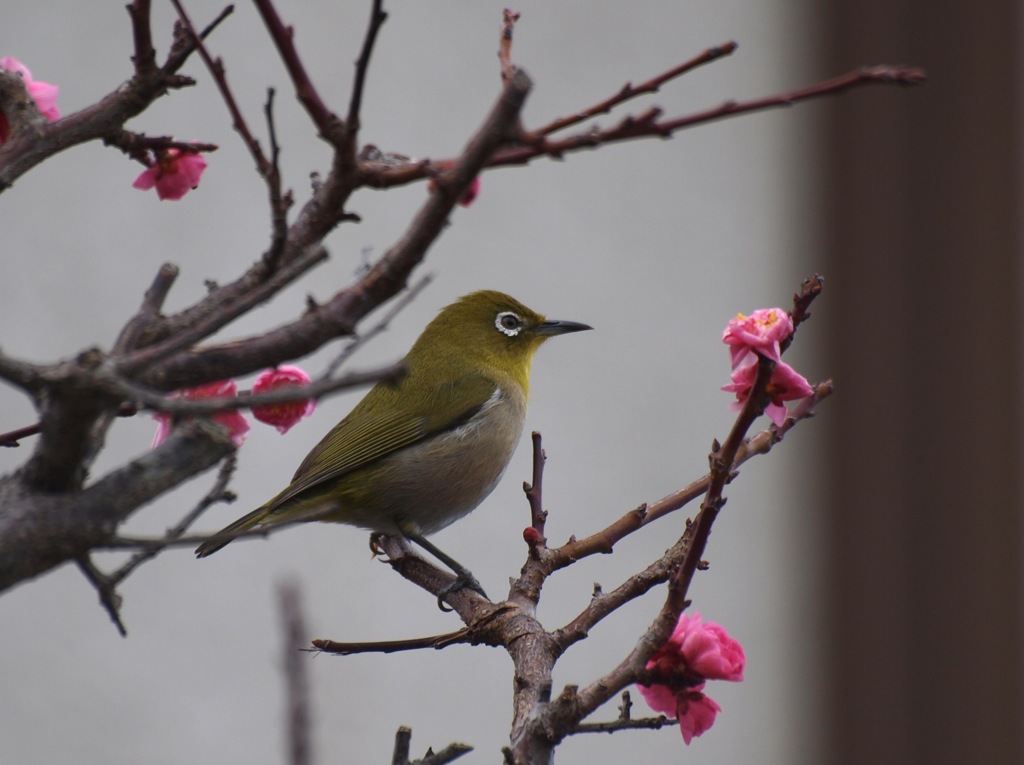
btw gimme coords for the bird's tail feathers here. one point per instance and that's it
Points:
(225, 535)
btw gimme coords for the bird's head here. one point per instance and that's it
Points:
(492, 330)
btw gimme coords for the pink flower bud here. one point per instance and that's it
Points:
(761, 332)
(237, 426)
(696, 713)
(696, 652)
(786, 385)
(174, 174)
(282, 416)
(532, 537)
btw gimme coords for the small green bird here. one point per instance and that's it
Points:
(415, 456)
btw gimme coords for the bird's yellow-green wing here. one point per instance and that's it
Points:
(386, 420)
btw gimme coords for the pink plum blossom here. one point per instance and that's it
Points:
(237, 426)
(43, 93)
(696, 652)
(174, 173)
(760, 332)
(786, 385)
(696, 713)
(282, 416)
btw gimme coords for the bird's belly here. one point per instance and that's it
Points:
(435, 482)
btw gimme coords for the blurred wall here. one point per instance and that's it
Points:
(921, 210)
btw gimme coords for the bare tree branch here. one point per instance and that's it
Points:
(40, 531)
(352, 124)
(327, 123)
(296, 677)
(217, 493)
(216, 69)
(629, 91)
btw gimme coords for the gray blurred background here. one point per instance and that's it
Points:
(870, 565)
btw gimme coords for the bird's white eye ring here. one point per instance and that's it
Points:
(508, 323)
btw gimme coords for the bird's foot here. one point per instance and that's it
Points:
(464, 579)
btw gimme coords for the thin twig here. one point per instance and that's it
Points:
(809, 290)
(149, 310)
(362, 338)
(723, 462)
(403, 745)
(144, 57)
(217, 493)
(143, 148)
(377, 18)
(283, 36)
(185, 40)
(279, 203)
(611, 726)
(318, 513)
(109, 598)
(151, 400)
(206, 324)
(532, 577)
(520, 151)
(650, 124)
(605, 603)
(534, 490)
(296, 679)
(12, 438)
(761, 443)
(629, 90)
(391, 646)
(450, 753)
(216, 68)
(508, 23)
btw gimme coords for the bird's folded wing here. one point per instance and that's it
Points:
(368, 434)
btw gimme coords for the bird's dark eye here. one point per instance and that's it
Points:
(508, 323)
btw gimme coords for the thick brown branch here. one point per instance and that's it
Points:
(209, 316)
(149, 311)
(39, 531)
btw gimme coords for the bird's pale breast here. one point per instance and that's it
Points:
(439, 480)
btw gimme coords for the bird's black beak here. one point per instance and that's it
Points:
(553, 327)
